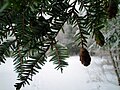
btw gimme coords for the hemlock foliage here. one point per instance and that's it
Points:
(28, 29)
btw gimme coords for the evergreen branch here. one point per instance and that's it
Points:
(5, 50)
(40, 45)
(34, 34)
(81, 36)
(59, 54)
(29, 66)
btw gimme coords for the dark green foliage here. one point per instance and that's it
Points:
(4, 51)
(90, 22)
(28, 28)
(59, 53)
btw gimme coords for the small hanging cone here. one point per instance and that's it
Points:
(85, 57)
(99, 38)
(112, 8)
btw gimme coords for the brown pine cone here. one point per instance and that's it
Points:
(113, 8)
(85, 57)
